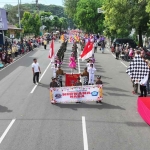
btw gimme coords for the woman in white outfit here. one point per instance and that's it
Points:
(91, 71)
(54, 68)
(89, 63)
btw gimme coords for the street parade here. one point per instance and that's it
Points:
(75, 75)
(73, 79)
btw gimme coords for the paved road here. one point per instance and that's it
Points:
(38, 125)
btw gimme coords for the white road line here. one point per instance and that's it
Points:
(79, 69)
(15, 61)
(85, 140)
(41, 77)
(124, 64)
(6, 131)
(120, 61)
(108, 50)
(113, 55)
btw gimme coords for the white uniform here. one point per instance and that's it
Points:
(54, 71)
(88, 65)
(91, 74)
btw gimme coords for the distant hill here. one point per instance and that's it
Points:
(13, 10)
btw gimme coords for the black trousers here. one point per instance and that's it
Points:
(60, 83)
(117, 55)
(95, 49)
(16, 54)
(44, 46)
(36, 77)
(135, 86)
(143, 90)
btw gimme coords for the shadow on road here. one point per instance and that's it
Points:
(137, 124)
(114, 89)
(116, 94)
(45, 85)
(4, 109)
(123, 72)
(85, 105)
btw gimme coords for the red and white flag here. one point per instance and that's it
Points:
(87, 51)
(51, 50)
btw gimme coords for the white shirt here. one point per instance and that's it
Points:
(88, 65)
(91, 70)
(95, 44)
(35, 66)
(54, 69)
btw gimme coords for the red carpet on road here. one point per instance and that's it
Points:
(144, 108)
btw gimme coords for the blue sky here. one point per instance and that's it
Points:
(46, 2)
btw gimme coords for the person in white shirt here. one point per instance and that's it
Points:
(89, 63)
(36, 71)
(91, 71)
(54, 68)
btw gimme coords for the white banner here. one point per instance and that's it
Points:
(76, 94)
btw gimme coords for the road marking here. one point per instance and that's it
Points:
(79, 70)
(41, 77)
(6, 131)
(120, 61)
(107, 50)
(124, 64)
(113, 55)
(15, 61)
(85, 141)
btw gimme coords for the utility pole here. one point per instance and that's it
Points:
(19, 13)
(37, 7)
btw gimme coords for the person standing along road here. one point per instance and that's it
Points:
(45, 44)
(95, 46)
(85, 74)
(78, 83)
(102, 46)
(59, 74)
(36, 71)
(72, 63)
(117, 51)
(91, 71)
(53, 83)
(54, 68)
(99, 81)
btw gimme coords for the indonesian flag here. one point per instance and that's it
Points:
(51, 50)
(87, 51)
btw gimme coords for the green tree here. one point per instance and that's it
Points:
(115, 23)
(31, 23)
(13, 10)
(45, 20)
(70, 7)
(86, 16)
(148, 11)
(36, 23)
(56, 22)
(123, 15)
(63, 23)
